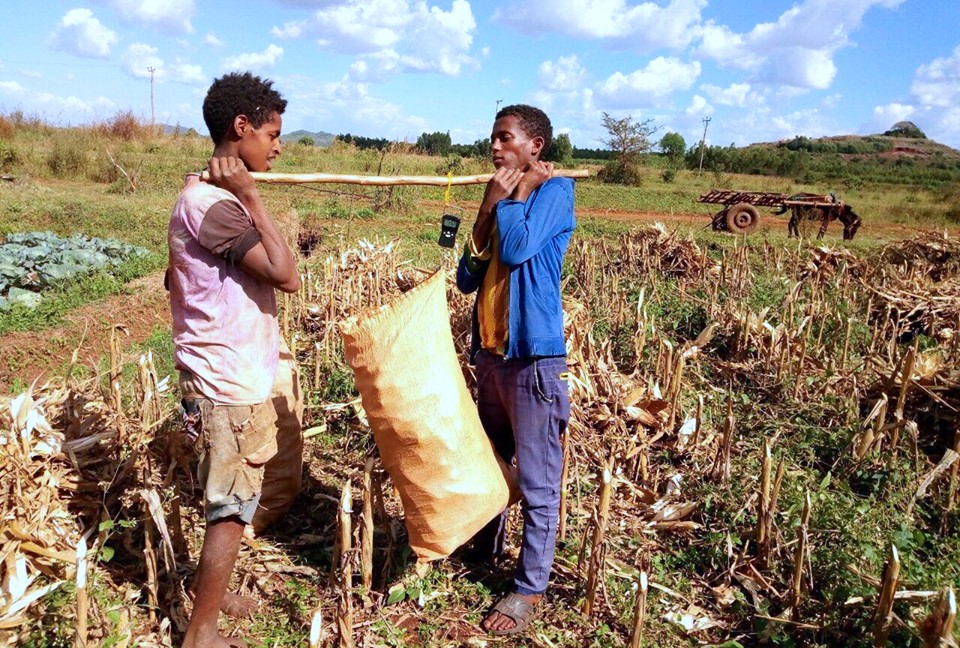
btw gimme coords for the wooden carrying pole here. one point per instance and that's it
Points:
(388, 181)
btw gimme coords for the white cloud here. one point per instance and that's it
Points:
(801, 68)
(11, 87)
(698, 106)
(52, 107)
(564, 75)
(934, 103)
(254, 60)
(640, 27)
(31, 74)
(167, 15)
(886, 116)
(348, 106)
(937, 84)
(798, 48)
(737, 94)
(398, 34)
(140, 57)
(80, 33)
(649, 86)
(212, 40)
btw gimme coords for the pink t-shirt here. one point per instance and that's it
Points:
(224, 320)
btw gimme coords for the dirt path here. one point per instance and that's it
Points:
(26, 355)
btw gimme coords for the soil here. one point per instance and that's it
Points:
(32, 354)
(29, 355)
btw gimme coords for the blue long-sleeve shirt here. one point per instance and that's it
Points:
(533, 237)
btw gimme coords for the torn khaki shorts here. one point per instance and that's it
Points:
(251, 456)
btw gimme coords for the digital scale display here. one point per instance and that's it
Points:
(448, 230)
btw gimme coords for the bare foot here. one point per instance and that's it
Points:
(239, 607)
(496, 622)
(233, 605)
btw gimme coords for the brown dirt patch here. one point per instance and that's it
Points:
(28, 354)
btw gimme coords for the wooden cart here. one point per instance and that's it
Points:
(741, 216)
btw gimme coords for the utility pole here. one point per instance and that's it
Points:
(499, 101)
(151, 70)
(706, 122)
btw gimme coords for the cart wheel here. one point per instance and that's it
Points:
(742, 218)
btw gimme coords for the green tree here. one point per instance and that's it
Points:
(435, 143)
(628, 138)
(673, 146)
(560, 150)
(306, 140)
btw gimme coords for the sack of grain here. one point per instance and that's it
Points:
(424, 421)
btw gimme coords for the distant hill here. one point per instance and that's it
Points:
(869, 146)
(847, 161)
(320, 138)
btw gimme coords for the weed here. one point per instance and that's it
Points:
(67, 160)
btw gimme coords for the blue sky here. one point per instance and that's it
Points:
(761, 70)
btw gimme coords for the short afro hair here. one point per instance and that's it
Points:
(533, 121)
(240, 94)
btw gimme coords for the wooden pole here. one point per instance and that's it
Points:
(387, 181)
(888, 588)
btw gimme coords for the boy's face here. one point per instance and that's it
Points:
(511, 146)
(258, 147)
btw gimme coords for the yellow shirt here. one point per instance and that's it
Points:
(493, 302)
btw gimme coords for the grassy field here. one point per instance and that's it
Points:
(799, 354)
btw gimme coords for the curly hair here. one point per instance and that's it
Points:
(240, 94)
(533, 121)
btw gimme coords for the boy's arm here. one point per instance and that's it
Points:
(476, 254)
(523, 234)
(270, 260)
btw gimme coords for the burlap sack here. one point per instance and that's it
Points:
(424, 421)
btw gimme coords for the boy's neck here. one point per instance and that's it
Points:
(226, 148)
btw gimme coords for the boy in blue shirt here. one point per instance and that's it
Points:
(513, 259)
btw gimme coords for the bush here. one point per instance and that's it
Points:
(8, 156)
(306, 140)
(621, 172)
(668, 175)
(125, 126)
(452, 164)
(7, 129)
(66, 160)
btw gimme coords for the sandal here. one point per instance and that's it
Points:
(517, 610)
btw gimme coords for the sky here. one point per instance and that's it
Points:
(760, 70)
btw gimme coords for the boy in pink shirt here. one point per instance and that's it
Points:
(238, 380)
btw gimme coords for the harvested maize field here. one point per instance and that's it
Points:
(763, 451)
